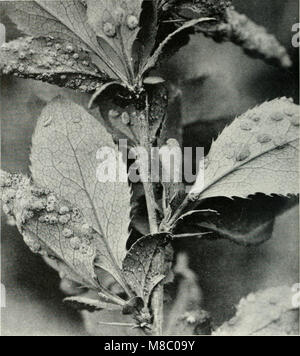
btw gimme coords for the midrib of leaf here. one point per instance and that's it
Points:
(231, 170)
(127, 64)
(236, 235)
(92, 48)
(100, 232)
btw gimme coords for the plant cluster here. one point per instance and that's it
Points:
(82, 227)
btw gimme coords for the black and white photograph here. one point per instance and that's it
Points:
(149, 182)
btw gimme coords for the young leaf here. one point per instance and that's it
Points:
(68, 149)
(147, 35)
(258, 152)
(49, 228)
(91, 305)
(140, 268)
(59, 19)
(267, 312)
(151, 63)
(55, 62)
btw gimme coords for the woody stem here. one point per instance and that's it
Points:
(158, 293)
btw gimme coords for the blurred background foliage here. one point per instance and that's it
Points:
(218, 82)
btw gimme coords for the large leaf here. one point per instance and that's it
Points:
(49, 227)
(60, 19)
(246, 222)
(64, 158)
(258, 152)
(141, 267)
(266, 313)
(55, 62)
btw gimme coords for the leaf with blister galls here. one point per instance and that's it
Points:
(67, 147)
(140, 267)
(258, 152)
(44, 234)
(60, 19)
(117, 23)
(51, 61)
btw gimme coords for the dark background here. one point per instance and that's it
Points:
(226, 272)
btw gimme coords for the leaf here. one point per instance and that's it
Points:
(265, 313)
(64, 158)
(159, 51)
(258, 152)
(117, 23)
(59, 19)
(246, 222)
(62, 19)
(100, 91)
(91, 305)
(47, 231)
(55, 62)
(140, 267)
(65, 273)
(147, 35)
(254, 39)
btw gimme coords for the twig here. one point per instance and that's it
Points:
(158, 293)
